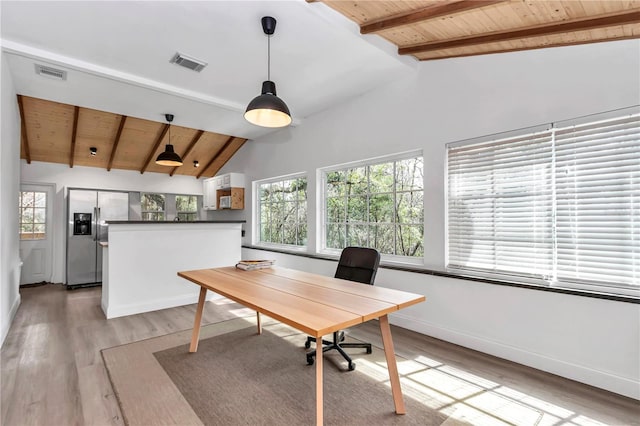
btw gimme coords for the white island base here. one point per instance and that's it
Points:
(142, 259)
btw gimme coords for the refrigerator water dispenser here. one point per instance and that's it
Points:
(82, 224)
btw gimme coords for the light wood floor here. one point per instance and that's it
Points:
(52, 371)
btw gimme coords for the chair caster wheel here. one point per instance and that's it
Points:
(352, 366)
(307, 344)
(369, 350)
(309, 360)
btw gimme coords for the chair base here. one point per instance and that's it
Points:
(327, 346)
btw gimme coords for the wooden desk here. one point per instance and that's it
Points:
(314, 304)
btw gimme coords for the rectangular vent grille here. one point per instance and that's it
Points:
(51, 72)
(187, 62)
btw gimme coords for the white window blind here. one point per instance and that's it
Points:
(562, 205)
(598, 202)
(500, 206)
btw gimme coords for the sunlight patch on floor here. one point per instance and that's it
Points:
(409, 367)
(377, 371)
(552, 409)
(242, 312)
(503, 408)
(467, 397)
(462, 395)
(446, 384)
(585, 421)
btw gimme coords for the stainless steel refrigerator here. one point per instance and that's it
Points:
(88, 211)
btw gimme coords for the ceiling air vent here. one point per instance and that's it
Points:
(51, 72)
(187, 62)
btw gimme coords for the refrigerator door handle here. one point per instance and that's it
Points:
(98, 225)
(95, 223)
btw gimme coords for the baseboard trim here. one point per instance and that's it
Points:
(153, 305)
(579, 373)
(12, 313)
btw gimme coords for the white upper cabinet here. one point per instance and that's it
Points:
(209, 194)
(222, 182)
(231, 180)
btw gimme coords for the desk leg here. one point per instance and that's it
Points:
(319, 382)
(195, 336)
(258, 321)
(389, 353)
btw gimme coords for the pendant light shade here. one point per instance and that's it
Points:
(268, 110)
(169, 156)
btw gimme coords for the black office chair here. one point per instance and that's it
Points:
(358, 264)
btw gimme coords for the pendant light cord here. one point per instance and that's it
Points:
(269, 57)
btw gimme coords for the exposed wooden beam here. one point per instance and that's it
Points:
(534, 31)
(74, 132)
(519, 49)
(424, 14)
(23, 130)
(155, 148)
(193, 143)
(116, 141)
(215, 157)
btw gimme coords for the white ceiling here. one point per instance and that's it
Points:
(117, 57)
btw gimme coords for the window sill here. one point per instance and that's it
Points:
(417, 270)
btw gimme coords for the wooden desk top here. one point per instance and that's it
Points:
(314, 304)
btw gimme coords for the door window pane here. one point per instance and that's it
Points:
(32, 215)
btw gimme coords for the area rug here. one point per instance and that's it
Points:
(238, 377)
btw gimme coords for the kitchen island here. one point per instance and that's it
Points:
(142, 258)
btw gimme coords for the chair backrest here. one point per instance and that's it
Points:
(358, 264)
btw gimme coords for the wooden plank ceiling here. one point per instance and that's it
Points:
(58, 133)
(437, 29)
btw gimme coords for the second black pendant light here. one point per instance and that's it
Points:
(169, 156)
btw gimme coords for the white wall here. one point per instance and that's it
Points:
(90, 177)
(9, 184)
(594, 341)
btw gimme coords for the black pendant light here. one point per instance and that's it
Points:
(268, 110)
(169, 157)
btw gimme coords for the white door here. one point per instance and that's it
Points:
(36, 232)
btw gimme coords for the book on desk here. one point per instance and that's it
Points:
(251, 265)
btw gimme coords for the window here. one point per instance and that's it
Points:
(152, 206)
(32, 215)
(562, 205)
(376, 204)
(282, 211)
(187, 207)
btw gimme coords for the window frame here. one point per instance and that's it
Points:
(33, 222)
(187, 212)
(552, 281)
(256, 212)
(321, 220)
(163, 211)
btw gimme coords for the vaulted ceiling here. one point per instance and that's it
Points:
(436, 29)
(120, 81)
(59, 133)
